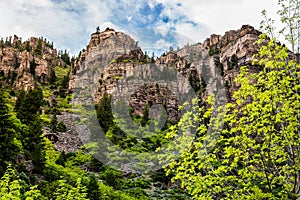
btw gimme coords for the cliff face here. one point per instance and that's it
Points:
(114, 64)
(21, 63)
(226, 54)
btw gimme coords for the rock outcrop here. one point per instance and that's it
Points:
(114, 64)
(226, 54)
(21, 63)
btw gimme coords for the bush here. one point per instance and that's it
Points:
(61, 127)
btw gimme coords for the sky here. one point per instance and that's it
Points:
(156, 24)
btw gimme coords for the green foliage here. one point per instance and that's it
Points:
(9, 185)
(34, 194)
(64, 86)
(112, 177)
(61, 127)
(8, 146)
(104, 113)
(213, 50)
(61, 72)
(52, 78)
(28, 110)
(257, 153)
(289, 18)
(108, 193)
(65, 103)
(66, 58)
(53, 123)
(27, 46)
(33, 142)
(13, 188)
(65, 191)
(145, 118)
(28, 105)
(38, 50)
(93, 191)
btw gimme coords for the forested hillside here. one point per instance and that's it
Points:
(237, 138)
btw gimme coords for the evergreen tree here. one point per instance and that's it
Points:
(52, 78)
(19, 101)
(145, 118)
(65, 191)
(64, 86)
(39, 48)
(104, 112)
(66, 58)
(33, 143)
(1, 43)
(28, 105)
(28, 47)
(28, 110)
(93, 191)
(32, 66)
(54, 123)
(8, 148)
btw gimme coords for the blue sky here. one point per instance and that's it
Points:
(154, 23)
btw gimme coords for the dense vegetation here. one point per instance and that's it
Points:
(250, 148)
(31, 168)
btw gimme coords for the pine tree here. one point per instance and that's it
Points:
(34, 145)
(52, 78)
(64, 86)
(32, 66)
(39, 48)
(145, 118)
(28, 110)
(28, 47)
(8, 148)
(104, 112)
(93, 191)
(28, 105)
(54, 123)
(66, 58)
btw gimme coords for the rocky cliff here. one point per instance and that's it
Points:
(226, 54)
(114, 64)
(24, 63)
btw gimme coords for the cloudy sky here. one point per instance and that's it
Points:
(154, 23)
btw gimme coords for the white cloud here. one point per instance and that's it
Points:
(162, 44)
(66, 28)
(162, 30)
(220, 16)
(69, 23)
